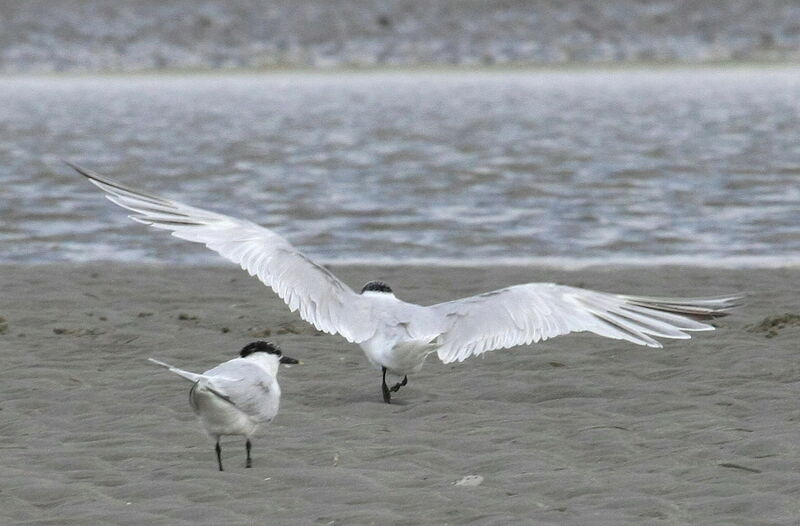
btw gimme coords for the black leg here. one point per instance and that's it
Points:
(396, 387)
(219, 455)
(387, 397)
(247, 446)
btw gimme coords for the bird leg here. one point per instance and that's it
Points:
(387, 396)
(219, 455)
(396, 387)
(249, 462)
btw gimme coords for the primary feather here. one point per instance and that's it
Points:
(534, 312)
(319, 296)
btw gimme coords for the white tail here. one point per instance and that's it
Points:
(192, 377)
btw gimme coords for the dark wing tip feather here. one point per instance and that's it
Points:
(220, 395)
(89, 174)
(694, 308)
(107, 184)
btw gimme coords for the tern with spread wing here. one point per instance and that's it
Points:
(236, 396)
(397, 336)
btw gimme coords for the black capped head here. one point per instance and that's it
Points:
(267, 347)
(376, 286)
(260, 346)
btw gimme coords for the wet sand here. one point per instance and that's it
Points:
(577, 430)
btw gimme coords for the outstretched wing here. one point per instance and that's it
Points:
(537, 311)
(322, 299)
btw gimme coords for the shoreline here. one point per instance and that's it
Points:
(572, 67)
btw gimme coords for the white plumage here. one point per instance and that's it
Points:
(236, 396)
(397, 336)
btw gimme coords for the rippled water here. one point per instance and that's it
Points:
(698, 167)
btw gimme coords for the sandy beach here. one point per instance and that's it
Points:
(577, 430)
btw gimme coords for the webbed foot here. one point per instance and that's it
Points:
(396, 387)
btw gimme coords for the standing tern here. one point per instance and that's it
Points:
(397, 336)
(236, 396)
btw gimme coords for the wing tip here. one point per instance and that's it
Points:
(72, 165)
(92, 176)
(705, 308)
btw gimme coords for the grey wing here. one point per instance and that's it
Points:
(529, 313)
(321, 298)
(205, 385)
(246, 386)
